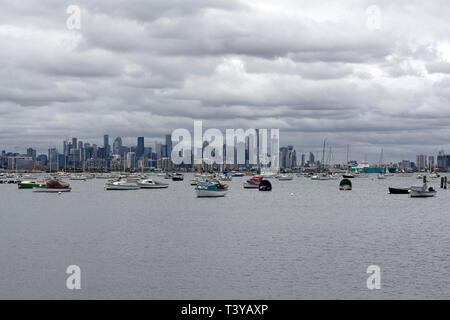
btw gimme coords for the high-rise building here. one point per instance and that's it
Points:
(106, 146)
(158, 150)
(117, 145)
(31, 153)
(312, 159)
(140, 147)
(131, 160)
(421, 162)
(431, 163)
(443, 161)
(169, 146)
(74, 143)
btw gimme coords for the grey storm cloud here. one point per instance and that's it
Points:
(313, 69)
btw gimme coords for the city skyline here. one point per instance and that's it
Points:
(85, 153)
(314, 70)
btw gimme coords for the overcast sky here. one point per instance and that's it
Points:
(313, 69)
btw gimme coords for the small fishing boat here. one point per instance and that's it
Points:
(30, 184)
(285, 177)
(265, 185)
(121, 185)
(53, 186)
(321, 176)
(237, 174)
(253, 183)
(168, 176)
(345, 185)
(151, 184)
(381, 176)
(422, 192)
(211, 190)
(348, 175)
(77, 178)
(399, 190)
(177, 177)
(434, 175)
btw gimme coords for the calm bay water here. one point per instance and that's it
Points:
(168, 244)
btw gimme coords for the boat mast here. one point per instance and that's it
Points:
(323, 154)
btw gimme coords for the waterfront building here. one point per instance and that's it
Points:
(421, 162)
(140, 147)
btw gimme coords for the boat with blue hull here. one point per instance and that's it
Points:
(211, 190)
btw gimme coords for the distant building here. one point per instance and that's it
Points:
(106, 146)
(131, 160)
(31, 153)
(443, 161)
(431, 163)
(421, 162)
(117, 145)
(169, 146)
(140, 147)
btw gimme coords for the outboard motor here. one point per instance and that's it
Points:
(265, 185)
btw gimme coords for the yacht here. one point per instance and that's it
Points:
(285, 177)
(151, 184)
(121, 185)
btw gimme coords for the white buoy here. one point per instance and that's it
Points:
(60, 192)
(292, 194)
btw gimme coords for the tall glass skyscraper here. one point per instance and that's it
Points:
(140, 147)
(169, 145)
(106, 145)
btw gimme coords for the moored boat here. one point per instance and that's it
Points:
(399, 190)
(211, 190)
(53, 186)
(285, 177)
(422, 192)
(253, 183)
(177, 177)
(121, 185)
(151, 184)
(345, 185)
(30, 184)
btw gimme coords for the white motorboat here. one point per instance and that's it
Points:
(285, 177)
(121, 185)
(321, 176)
(381, 176)
(151, 184)
(422, 191)
(77, 178)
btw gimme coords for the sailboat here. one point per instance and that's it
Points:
(381, 175)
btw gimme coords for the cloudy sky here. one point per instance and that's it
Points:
(313, 69)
